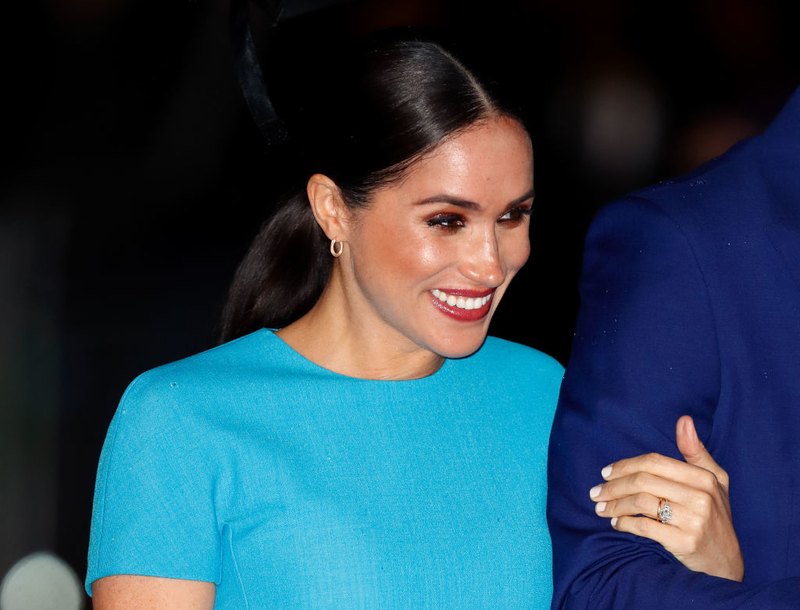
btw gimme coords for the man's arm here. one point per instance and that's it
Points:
(645, 353)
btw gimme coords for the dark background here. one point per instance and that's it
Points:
(133, 179)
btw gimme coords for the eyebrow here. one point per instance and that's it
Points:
(467, 204)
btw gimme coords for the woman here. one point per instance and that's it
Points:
(377, 450)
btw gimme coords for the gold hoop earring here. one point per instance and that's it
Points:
(334, 251)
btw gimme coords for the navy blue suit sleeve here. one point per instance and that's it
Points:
(644, 353)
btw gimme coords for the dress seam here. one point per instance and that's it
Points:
(236, 567)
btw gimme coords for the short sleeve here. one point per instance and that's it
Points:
(154, 508)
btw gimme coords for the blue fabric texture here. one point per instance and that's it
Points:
(290, 486)
(690, 304)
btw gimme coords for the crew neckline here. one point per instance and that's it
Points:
(310, 364)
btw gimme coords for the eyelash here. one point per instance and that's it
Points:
(449, 222)
(518, 214)
(452, 222)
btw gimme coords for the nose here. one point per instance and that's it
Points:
(481, 262)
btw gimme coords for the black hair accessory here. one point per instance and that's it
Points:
(248, 68)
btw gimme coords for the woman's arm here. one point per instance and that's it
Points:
(153, 593)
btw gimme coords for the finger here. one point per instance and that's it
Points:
(665, 534)
(664, 467)
(638, 504)
(644, 482)
(693, 450)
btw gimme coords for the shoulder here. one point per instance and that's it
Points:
(214, 367)
(518, 367)
(521, 382)
(725, 193)
(245, 351)
(185, 389)
(501, 352)
(188, 412)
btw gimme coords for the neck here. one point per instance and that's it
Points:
(337, 336)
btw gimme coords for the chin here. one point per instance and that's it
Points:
(460, 348)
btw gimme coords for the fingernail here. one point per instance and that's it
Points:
(600, 507)
(613, 522)
(595, 491)
(606, 472)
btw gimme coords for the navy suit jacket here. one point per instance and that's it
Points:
(690, 304)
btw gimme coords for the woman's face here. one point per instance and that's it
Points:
(432, 255)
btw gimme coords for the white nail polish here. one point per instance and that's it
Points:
(606, 472)
(600, 507)
(613, 522)
(595, 491)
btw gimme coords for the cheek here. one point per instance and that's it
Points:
(416, 259)
(427, 253)
(395, 256)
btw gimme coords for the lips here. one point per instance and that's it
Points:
(463, 305)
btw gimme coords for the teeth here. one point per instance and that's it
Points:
(461, 302)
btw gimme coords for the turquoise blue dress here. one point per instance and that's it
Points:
(290, 486)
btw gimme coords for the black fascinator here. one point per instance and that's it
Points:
(249, 69)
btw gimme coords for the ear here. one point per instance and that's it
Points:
(329, 209)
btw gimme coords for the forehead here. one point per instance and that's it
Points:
(494, 157)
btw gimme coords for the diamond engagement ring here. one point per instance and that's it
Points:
(664, 510)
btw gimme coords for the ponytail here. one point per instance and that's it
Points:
(282, 275)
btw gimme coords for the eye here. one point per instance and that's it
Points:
(449, 222)
(515, 216)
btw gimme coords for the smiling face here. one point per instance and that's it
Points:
(429, 259)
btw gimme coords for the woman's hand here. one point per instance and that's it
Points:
(700, 531)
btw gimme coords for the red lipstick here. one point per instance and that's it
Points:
(464, 315)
